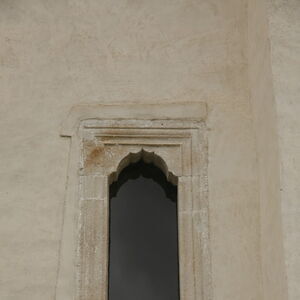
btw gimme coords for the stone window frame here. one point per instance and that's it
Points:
(105, 139)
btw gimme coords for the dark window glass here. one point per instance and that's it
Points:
(143, 256)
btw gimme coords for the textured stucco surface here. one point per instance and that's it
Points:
(284, 16)
(266, 129)
(57, 54)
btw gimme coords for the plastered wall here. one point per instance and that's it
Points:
(265, 124)
(284, 20)
(57, 54)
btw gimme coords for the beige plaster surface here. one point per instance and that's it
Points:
(261, 95)
(57, 54)
(284, 21)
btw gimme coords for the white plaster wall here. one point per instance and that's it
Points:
(284, 18)
(55, 54)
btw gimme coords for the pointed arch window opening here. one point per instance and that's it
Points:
(148, 165)
(146, 157)
(147, 222)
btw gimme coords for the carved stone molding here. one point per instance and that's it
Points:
(105, 139)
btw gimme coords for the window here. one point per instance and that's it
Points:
(143, 256)
(106, 141)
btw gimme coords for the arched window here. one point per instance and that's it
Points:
(109, 144)
(143, 252)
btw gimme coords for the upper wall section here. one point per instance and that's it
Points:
(103, 51)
